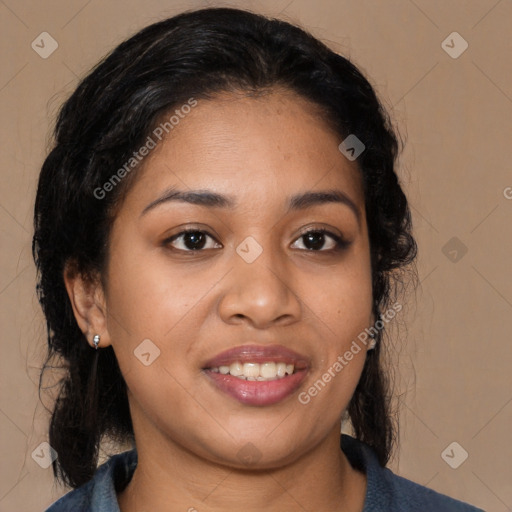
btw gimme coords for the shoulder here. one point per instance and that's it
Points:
(409, 496)
(387, 491)
(99, 493)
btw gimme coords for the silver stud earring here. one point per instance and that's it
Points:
(373, 342)
(96, 341)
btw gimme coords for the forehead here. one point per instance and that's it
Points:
(255, 148)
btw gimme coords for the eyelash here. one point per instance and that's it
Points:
(341, 244)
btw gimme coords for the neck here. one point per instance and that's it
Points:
(169, 477)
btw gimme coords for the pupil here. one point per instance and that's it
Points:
(310, 239)
(194, 240)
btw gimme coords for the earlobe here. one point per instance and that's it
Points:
(89, 306)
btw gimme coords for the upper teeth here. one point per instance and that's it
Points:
(256, 371)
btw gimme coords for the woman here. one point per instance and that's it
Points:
(218, 232)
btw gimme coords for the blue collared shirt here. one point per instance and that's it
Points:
(385, 491)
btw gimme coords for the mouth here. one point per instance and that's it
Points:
(252, 371)
(257, 375)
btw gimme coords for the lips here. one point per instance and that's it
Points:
(257, 392)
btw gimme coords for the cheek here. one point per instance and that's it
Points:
(342, 304)
(342, 298)
(148, 296)
(342, 311)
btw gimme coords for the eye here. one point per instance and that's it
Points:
(191, 240)
(195, 240)
(315, 239)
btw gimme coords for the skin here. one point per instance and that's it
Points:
(193, 305)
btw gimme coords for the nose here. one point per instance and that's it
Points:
(260, 293)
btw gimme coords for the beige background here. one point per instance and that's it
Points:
(456, 117)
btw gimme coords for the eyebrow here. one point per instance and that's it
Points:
(214, 200)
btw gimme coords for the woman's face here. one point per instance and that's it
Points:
(247, 289)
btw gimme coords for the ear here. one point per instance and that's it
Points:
(89, 305)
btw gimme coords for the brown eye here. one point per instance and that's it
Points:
(191, 240)
(316, 239)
